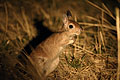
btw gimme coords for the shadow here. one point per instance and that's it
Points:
(43, 33)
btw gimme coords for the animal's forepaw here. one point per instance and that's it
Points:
(71, 41)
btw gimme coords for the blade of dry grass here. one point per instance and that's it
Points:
(102, 39)
(118, 36)
(98, 25)
(95, 19)
(103, 32)
(107, 12)
(6, 15)
(92, 18)
(26, 23)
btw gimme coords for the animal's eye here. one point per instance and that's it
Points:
(70, 26)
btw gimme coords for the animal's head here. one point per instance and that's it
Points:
(70, 25)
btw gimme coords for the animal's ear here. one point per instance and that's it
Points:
(65, 19)
(68, 13)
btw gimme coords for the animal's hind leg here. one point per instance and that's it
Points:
(52, 66)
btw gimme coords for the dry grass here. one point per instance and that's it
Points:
(92, 57)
